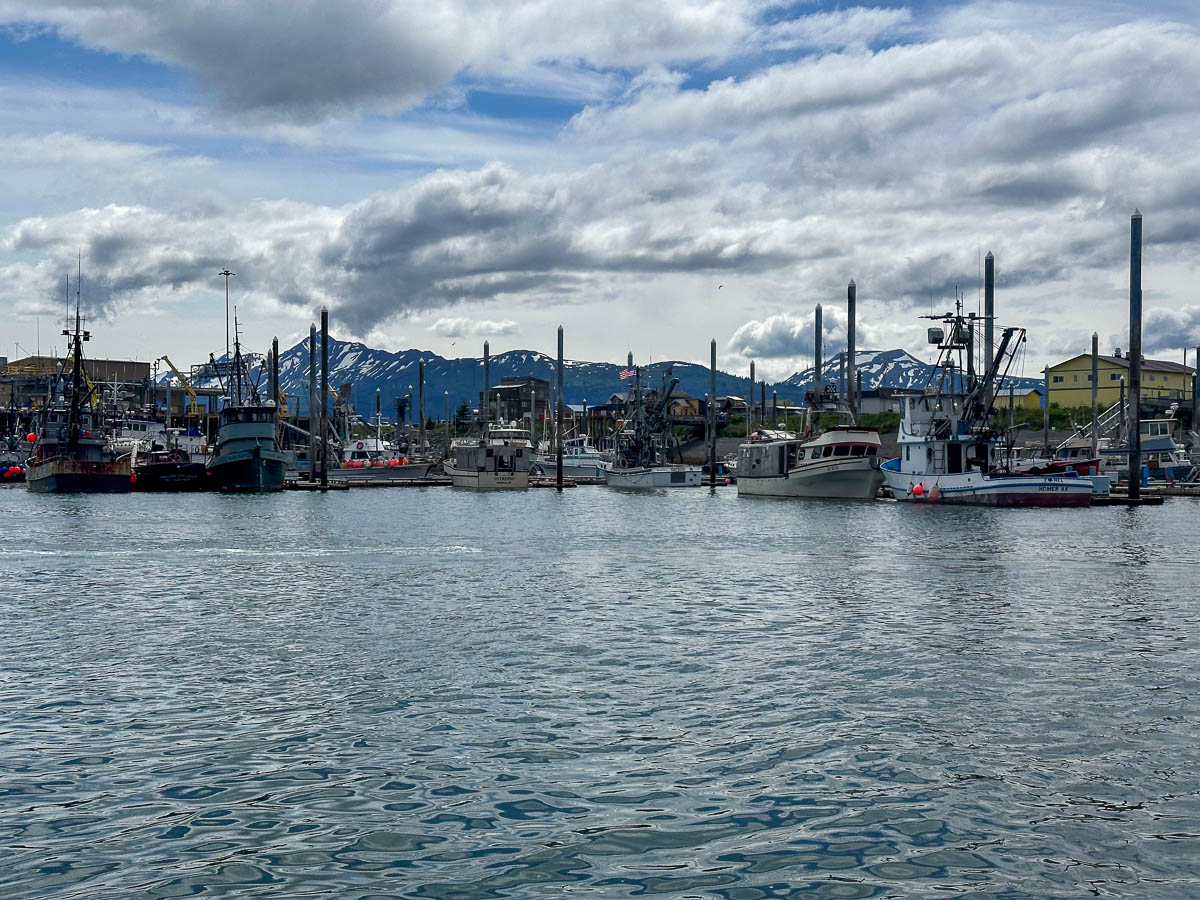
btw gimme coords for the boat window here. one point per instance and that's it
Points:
(907, 453)
(871, 451)
(841, 450)
(858, 450)
(678, 477)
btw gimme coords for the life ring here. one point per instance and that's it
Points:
(358, 446)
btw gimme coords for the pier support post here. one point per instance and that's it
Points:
(1095, 392)
(712, 414)
(558, 422)
(485, 397)
(447, 396)
(851, 304)
(989, 312)
(314, 420)
(1135, 355)
(275, 370)
(818, 375)
(421, 403)
(1046, 411)
(1196, 395)
(750, 403)
(324, 396)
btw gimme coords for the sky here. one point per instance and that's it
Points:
(650, 176)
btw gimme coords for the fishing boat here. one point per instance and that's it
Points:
(371, 458)
(950, 452)
(639, 458)
(500, 460)
(580, 459)
(173, 468)
(72, 454)
(247, 458)
(839, 461)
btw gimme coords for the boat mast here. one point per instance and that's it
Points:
(75, 341)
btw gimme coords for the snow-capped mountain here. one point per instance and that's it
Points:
(883, 369)
(395, 374)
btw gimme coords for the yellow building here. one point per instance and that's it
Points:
(1071, 381)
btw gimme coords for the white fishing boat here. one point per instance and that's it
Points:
(639, 458)
(654, 477)
(501, 460)
(840, 462)
(949, 451)
(580, 460)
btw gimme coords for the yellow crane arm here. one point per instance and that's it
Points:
(185, 384)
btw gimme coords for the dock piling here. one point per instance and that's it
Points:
(818, 375)
(712, 415)
(485, 396)
(1095, 392)
(313, 418)
(324, 396)
(558, 422)
(989, 313)
(1135, 354)
(851, 304)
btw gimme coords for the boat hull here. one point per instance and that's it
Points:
(252, 472)
(654, 477)
(78, 476)
(406, 472)
(841, 479)
(488, 481)
(169, 477)
(975, 488)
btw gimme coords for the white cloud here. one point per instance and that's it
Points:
(460, 326)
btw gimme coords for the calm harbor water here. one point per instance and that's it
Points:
(429, 693)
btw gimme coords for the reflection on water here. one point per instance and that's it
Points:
(430, 693)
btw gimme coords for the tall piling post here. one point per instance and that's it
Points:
(324, 396)
(750, 402)
(851, 356)
(989, 313)
(485, 396)
(857, 395)
(1135, 355)
(447, 414)
(1095, 393)
(314, 420)
(275, 370)
(762, 402)
(1196, 395)
(818, 375)
(421, 403)
(558, 422)
(775, 407)
(1046, 410)
(712, 414)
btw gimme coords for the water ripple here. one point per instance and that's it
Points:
(686, 695)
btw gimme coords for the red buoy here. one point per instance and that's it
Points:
(31, 437)
(918, 490)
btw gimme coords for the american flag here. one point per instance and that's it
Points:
(626, 374)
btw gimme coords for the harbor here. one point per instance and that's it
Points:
(700, 451)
